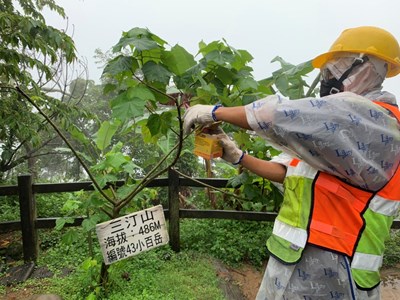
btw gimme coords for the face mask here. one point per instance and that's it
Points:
(333, 85)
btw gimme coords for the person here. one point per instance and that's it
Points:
(339, 168)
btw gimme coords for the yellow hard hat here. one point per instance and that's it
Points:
(368, 40)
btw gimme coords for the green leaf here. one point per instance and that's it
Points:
(159, 123)
(137, 32)
(103, 179)
(89, 263)
(124, 191)
(109, 87)
(241, 58)
(91, 296)
(115, 160)
(77, 134)
(144, 32)
(154, 124)
(292, 70)
(85, 156)
(71, 205)
(166, 143)
(131, 168)
(139, 43)
(138, 38)
(242, 138)
(238, 180)
(257, 206)
(90, 223)
(259, 146)
(178, 60)
(282, 83)
(153, 55)
(95, 201)
(250, 98)
(247, 83)
(247, 206)
(120, 64)
(147, 136)
(265, 86)
(131, 103)
(60, 222)
(284, 65)
(70, 237)
(105, 133)
(250, 191)
(211, 47)
(206, 92)
(225, 75)
(220, 58)
(156, 72)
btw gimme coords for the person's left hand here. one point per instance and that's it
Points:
(231, 152)
(198, 114)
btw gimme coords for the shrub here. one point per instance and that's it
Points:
(231, 241)
(392, 252)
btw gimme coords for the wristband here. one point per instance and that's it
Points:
(240, 158)
(213, 112)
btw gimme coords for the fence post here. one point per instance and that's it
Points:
(27, 208)
(173, 199)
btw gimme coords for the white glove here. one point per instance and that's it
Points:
(231, 153)
(198, 114)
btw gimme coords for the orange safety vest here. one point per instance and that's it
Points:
(337, 208)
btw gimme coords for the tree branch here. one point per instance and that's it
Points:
(313, 85)
(18, 89)
(212, 187)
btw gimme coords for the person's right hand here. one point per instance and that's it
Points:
(197, 114)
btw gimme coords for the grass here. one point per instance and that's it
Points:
(156, 274)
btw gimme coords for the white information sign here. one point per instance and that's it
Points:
(132, 234)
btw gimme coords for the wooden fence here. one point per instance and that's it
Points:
(29, 223)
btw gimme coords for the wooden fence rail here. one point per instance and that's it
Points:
(29, 223)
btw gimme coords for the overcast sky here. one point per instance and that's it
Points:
(296, 30)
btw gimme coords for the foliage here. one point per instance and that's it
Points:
(392, 256)
(32, 56)
(244, 191)
(231, 241)
(9, 208)
(157, 274)
(48, 205)
(51, 205)
(140, 78)
(289, 79)
(27, 40)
